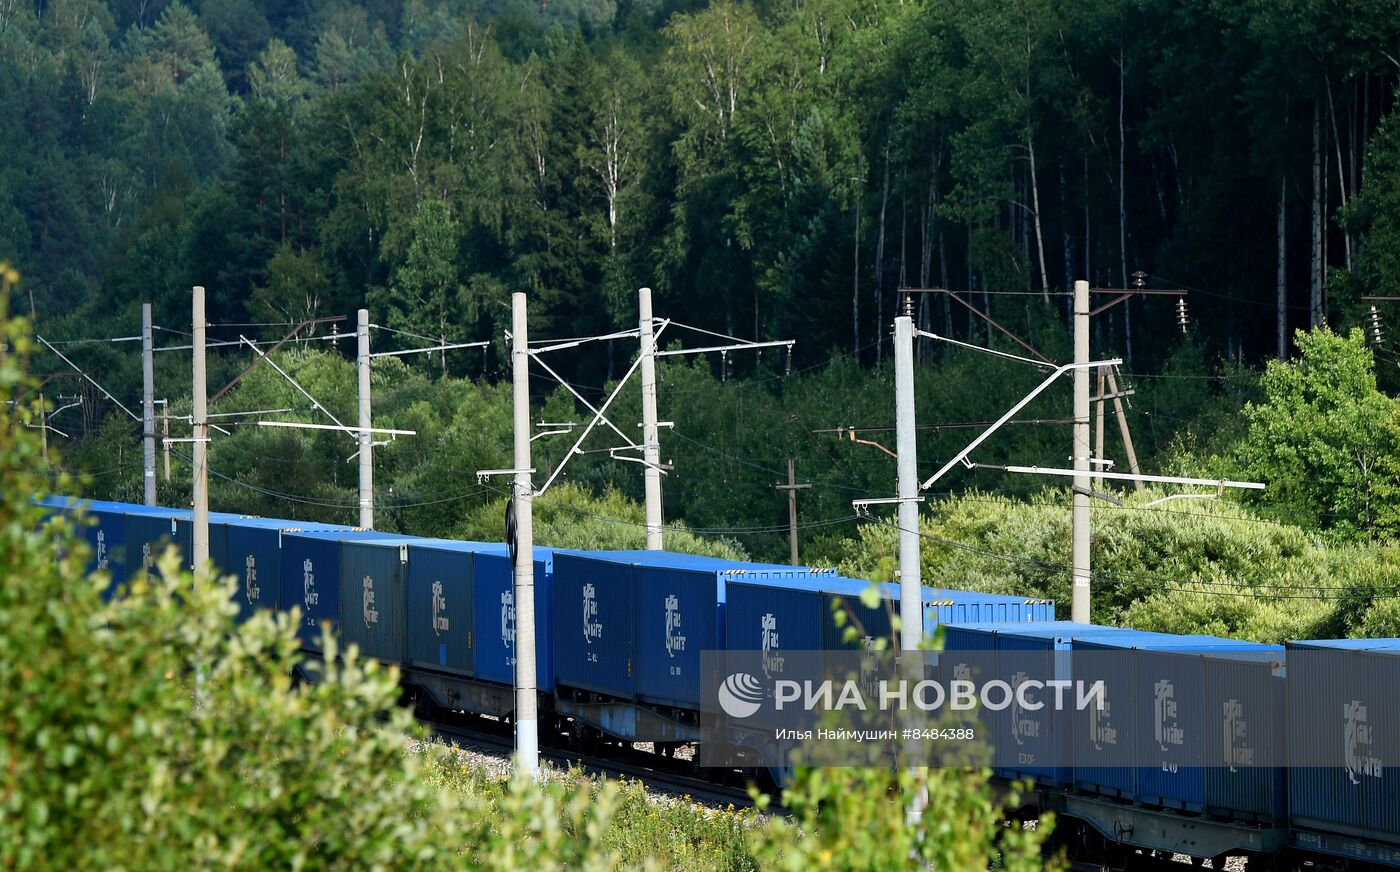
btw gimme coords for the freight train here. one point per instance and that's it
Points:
(619, 637)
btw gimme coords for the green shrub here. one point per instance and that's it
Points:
(567, 516)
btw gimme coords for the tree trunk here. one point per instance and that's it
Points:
(1065, 241)
(1341, 169)
(1122, 192)
(1035, 204)
(1315, 269)
(1281, 275)
(880, 259)
(903, 281)
(855, 280)
(1123, 210)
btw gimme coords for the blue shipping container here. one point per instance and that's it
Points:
(441, 585)
(1181, 722)
(149, 533)
(773, 616)
(946, 606)
(1040, 650)
(493, 618)
(594, 625)
(104, 528)
(1342, 705)
(678, 616)
(218, 540)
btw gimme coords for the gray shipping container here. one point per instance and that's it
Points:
(373, 596)
(1342, 704)
(1244, 777)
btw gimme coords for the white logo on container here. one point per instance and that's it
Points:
(1359, 738)
(250, 580)
(309, 596)
(439, 606)
(1023, 726)
(674, 640)
(1168, 730)
(771, 662)
(1237, 752)
(101, 550)
(1101, 729)
(508, 617)
(371, 613)
(591, 629)
(740, 695)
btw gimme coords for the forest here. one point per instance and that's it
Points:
(773, 171)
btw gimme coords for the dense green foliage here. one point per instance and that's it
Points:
(1326, 440)
(1197, 566)
(771, 169)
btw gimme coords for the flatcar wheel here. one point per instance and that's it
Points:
(586, 739)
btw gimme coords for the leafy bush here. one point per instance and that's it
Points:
(1326, 441)
(569, 517)
(854, 819)
(1214, 566)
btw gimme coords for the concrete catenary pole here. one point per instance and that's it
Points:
(366, 438)
(1080, 608)
(911, 617)
(910, 584)
(148, 409)
(527, 749)
(200, 419)
(651, 438)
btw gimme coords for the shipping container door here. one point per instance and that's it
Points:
(253, 555)
(677, 618)
(441, 587)
(594, 626)
(373, 598)
(1245, 741)
(147, 537)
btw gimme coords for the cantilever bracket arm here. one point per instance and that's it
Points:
(1036, 363)
(961, 456)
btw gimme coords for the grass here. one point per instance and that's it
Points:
(645, 829)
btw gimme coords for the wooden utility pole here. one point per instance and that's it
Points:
(1122, 429)
(792, 487)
